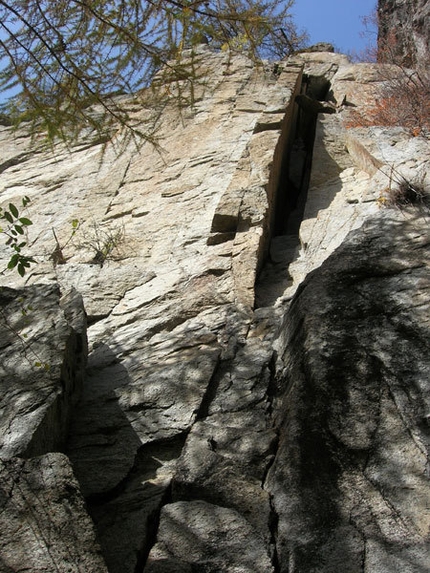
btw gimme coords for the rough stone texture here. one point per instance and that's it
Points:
(171, 308)
(404, 28)
(43, 522)
(353, 405)
(44, 352)
(200, 536)
(194, 313)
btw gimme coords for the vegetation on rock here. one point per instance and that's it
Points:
(15, 231)
(404, 98)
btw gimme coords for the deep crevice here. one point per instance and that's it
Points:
(152, 525)
(273, 528)
(290, 201)
(136, 491)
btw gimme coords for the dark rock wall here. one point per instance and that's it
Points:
(44, 524)
(44, 353)
(351, 472)
(43, 519)
(404, 32)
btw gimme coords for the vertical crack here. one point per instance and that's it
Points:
(273, 528)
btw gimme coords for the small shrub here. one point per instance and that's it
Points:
(15, 232)
(104, 243)
(403, 193)
(57, 256)
(404, 100)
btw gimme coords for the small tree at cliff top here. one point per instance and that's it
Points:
(62, 57)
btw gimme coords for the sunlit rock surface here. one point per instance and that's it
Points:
(255, 395)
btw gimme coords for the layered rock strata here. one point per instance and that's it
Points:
(246, 388)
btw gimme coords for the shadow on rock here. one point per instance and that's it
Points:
(350, 481)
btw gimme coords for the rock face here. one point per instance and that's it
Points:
(43, 520)
(44, 355)
(404, 32)
(255, 395)
(353, 407)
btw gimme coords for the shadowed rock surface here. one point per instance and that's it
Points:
(353, 402)
(404, 32)
(44, 523)
(43, 519)
(44, 355)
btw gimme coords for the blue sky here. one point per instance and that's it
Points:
(335, 21)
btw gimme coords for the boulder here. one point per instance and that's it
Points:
(352, 406)
(199, 535)
(43, 520)
(44, 351)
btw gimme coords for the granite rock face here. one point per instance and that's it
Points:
(353, 403)
(404, 28)
(44, 356)
(254, 313)
(43, 520)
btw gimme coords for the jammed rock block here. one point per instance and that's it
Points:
(226, 216)
(224, 462)
(198, 535)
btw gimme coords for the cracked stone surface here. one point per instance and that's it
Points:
(352, 405)
(43, 519)
(44, 352)
(251, 402)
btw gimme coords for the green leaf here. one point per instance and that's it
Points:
(13, 262)
(19, 229)
(25, 221)
(8, 216)
(14, 210)
(25, 201)
(21, 269)
(75, 223)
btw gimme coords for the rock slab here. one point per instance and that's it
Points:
(353, 404)
(43, 520)
(44, 353)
